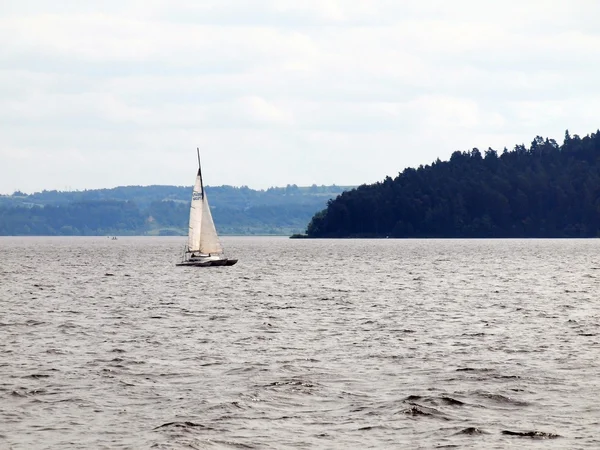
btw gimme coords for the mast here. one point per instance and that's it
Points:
(200, 171)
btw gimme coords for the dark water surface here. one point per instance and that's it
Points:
(302, 344)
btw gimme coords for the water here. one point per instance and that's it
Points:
(302, 344)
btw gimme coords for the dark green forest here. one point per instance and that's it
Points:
(546, 190)
(160, 210)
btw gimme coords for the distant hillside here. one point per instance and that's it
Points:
(161, 210)
(545, 190)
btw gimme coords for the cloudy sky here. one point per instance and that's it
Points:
(282, 91)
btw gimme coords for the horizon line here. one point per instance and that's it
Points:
(68, 189)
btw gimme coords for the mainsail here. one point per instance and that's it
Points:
(202, 234)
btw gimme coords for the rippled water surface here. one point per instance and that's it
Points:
(302, 344)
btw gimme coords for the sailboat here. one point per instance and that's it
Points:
(203, 248)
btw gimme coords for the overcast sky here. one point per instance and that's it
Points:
(277, 91)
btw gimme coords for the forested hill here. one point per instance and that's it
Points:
(161, 210)
(546, 190)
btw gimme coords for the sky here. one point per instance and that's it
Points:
(277, 92)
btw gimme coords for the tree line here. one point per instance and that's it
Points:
(160, 210)
(546, 190)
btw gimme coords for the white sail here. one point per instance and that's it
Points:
(209, 241)
(202, 235)
(196, 216)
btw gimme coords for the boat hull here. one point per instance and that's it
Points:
(210, 263)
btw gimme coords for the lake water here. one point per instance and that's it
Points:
(302, 344)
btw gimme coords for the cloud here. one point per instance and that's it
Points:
(278, 92)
